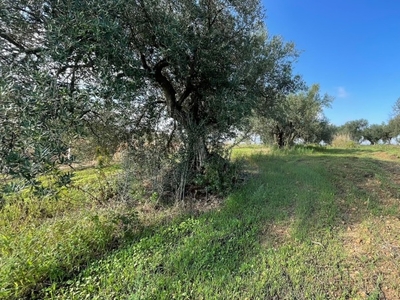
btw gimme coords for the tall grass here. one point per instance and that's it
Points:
(287, 233)
(268, 239)
(343, 140)
(47, 240)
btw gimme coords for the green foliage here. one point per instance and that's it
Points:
(44, 241)
(219, 254)
(36, 113)
(296, 116)
(394, 122)
(354, 129)
(219, 175)
(115, 71)
(396, 108)
(394, 126)
(287, 225)
(103, 157)
(26, 149)
(373, 133)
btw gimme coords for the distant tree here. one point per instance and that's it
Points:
(373, 133)
(394, 122)
(387, 133)
(325, 132)
(354, 129)
(396, 108)
(394, 126)
(296, 116)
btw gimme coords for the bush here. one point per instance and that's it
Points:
(150, 172)
(219, 175)
(343, 141)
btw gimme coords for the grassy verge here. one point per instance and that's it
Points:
(267, 240)
(45, 241)
(311, 223)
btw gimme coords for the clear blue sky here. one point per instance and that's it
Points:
(350, 47)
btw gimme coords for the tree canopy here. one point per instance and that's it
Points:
(194, 70)
(394, 122)
(374, 133)
(296, 116)
(354, 129)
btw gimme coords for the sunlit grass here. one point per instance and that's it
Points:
(46, 240)
(309, 223)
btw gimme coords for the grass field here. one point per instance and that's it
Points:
(308, 223)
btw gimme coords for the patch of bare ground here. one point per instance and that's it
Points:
(275, 235)
(372, 242)
(373, 249)
(386, 156)
(384, 196)
(151, 212)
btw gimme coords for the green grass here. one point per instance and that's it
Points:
(47, 240)
(310, 223)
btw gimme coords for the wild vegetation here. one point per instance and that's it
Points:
(151, 91)
(361, 131)
(307, 223)
(295, 117)
(166, 80)
(175, 77)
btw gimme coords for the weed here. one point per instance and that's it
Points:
(45, 241)
(343, 141)
(310, 223)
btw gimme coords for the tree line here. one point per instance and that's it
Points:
(299, 118)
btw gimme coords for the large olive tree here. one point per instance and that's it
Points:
(192, 71)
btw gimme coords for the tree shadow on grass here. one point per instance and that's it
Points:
(219, 254)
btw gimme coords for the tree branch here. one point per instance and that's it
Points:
(210, 24)
(20, 46)
(74, 67)
(166, 85)
(171, 136)
(9, 39)
(144, 62)
(186, 93)
(189, 85)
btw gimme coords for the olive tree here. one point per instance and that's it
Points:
(394, 126)
(296, 116)
(373, 133)
(189, 71)
(354, 129)
(394, 122)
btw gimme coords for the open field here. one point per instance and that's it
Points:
(308, 223)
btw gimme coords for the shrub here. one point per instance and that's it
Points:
(343, 141)
(219, 175)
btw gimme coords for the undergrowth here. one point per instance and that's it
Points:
(47, 240)
(310, 223)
